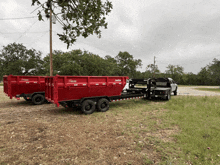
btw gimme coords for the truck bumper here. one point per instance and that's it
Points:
(161, 96)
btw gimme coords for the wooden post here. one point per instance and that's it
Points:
(51, 58)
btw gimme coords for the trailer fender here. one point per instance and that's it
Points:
(41, 93)
(95, 99)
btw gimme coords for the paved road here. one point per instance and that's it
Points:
(193, 92)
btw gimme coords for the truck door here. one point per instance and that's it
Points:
(173, 87)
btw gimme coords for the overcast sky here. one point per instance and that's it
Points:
(177, 32)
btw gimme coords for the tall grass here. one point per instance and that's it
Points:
(194, 123)
(198, 119)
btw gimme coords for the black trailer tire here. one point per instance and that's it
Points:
(168, 97)
(103, 105)
(69, 105)
(38, 99)
(175, 92)
(26, 98)
(88, 106)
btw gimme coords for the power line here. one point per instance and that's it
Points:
(38, 8)
(25, 31)
(59, 20)
(39, 38)
(6, 19)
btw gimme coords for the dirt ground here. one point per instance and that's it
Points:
(193, 92)
(45, 134)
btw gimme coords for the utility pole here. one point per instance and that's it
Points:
(51, 58)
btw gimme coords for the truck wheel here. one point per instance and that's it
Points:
(175, 92)
(168, 96)
(103, 105)
(88, 107)
(38, 99)
(26, 98)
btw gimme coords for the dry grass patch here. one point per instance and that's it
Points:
(46, 134)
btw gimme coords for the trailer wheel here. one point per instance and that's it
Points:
(168, 96)
(26, 98)
(38, 99)
(175, 92)
(103, 105)
(88, 107)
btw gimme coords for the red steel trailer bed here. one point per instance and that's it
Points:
(29, 87)
(84, 90)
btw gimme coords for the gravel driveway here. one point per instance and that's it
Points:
(193, 92)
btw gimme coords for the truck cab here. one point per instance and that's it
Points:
(173, 86)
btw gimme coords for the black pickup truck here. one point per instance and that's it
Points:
(163, 87)
(152, 87)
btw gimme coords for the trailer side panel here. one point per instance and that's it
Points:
(64, 88)
(17, 85)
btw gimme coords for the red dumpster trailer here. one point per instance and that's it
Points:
(89, 92)
(31, 88)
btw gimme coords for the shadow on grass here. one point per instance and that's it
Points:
(65, 111)
(18, 103)
(157, 99)
(128, 103)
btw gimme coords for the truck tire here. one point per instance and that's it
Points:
(38, 99)
(175, 92)
(103, 105)
(88, 107)
(26, 98)
(168, 97)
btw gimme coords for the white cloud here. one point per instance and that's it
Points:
(175, 31)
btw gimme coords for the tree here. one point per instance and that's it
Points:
(138, 75)
(127, 65)
(93, 65)
(16, 59)
(203, 76)
(111, 67)
(152, 71)
(78, 17)
(77, 62)
(191, 79)
(64, 63)
(209, 75)
(214, 70)
(175, 72)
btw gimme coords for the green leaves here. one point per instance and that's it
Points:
(84, 63)
(210, 73)
(16, 59)
(84, 17)
(127, 64)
